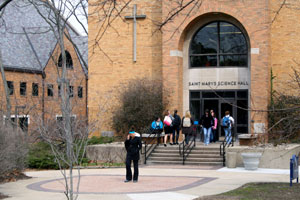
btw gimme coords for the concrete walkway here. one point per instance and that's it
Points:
(155, 182)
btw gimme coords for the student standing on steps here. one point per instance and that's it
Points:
(187, 126)
(176, 127)
(168, 127)
(133, 146)
(207, 122)
(227, 124)
(214, 127)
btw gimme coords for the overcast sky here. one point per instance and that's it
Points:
(79, 13)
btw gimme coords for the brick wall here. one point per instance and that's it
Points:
(111, 66)
(285, 43)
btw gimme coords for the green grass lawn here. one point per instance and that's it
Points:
(260, 191)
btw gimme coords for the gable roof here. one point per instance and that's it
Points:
(26, 40)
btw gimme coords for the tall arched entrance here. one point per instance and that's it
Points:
(216, 70)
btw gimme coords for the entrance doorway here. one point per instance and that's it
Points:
(234, 101)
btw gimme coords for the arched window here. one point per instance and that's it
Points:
(219, 44)
(69, 61)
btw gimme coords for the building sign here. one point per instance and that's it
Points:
(218, 78)
(219, 83)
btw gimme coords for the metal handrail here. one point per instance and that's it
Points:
(225, 144)
(152, 145)
(187, 148)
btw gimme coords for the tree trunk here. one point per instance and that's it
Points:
(8, 104)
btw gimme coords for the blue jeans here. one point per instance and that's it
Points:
(228, 135)
(206, 132)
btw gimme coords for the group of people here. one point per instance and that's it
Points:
(209, 123)
(172, 124)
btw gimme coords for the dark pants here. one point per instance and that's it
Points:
(214, 135)
(128, 169)
(176, 131)
(158, 132)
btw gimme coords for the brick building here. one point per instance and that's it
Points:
(31, 58)
(216, 56)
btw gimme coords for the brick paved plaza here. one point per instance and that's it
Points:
(155, 182)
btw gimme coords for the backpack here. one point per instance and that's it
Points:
(176, 121)
(186, 122)
(226, 122)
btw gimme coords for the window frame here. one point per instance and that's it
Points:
(80, 91)
(50, 88)
(68, 58)
(23, 89)
(35, 92)
(10, 86)
(71, 91)
(219, 54)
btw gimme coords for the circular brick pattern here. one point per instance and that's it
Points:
(114, 184)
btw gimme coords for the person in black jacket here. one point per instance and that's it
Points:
(133, 146)
(207, 122)
(176, 127)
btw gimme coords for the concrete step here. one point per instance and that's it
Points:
(186, 163)
(192, 155)
(158, 158)
(171, 151)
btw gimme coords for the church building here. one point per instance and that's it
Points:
(216, 54)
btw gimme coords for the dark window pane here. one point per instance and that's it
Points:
(10, 86)
(80, 91)
(59, 90)
(195, 110)
(59, 118)
(232, 39)
(50, 90)
(225, 94)
(71, 91)
(206, 40)
(209, 95)
(35, 89)
(69, 61)
(203, 61)
(242, 94)
(233, 60)
(23, 123)
(23, 88)
(242, 112)
(195, 95)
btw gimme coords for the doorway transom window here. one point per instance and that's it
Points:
(219, 44)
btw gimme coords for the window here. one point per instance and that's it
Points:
(23, 88)
(35, 89)
(71, 91)
(69, 61)
(59, 90)
(80, 92)
(50, 90)
(219, 44)
(59, 118)
(23, 123)
(10, 86)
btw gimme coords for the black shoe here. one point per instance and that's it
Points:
(135, 181)
(126, 181)
(171, 143)
(165, 145)
(177, 143)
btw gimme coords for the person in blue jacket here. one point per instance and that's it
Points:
(157, 127)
